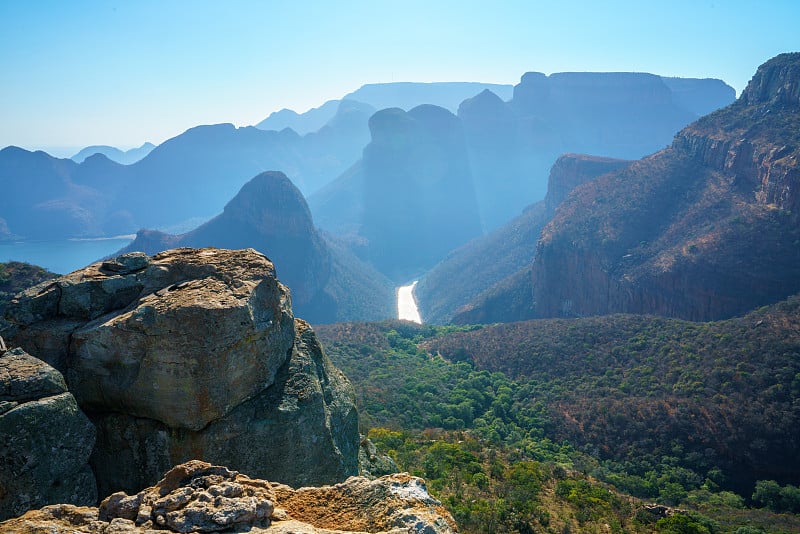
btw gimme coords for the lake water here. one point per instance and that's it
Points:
(407, 305)
(62, 256)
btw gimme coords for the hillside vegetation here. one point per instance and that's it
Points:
(17, 276)
(686, 414)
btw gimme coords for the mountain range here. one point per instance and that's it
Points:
(125, 157)
(704, 229)
(512, 144)
(404, 95)
(188, 177)
(269, 214)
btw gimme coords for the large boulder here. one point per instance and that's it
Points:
(45, 440)
(182, 339)
(302, 430)
(200, 497)
(193, 354)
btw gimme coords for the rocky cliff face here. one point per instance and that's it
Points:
(705, 229)
(45, 440)
(465, 287)
(192, 354)
(199, 497)
(270, 214)
(572, 170)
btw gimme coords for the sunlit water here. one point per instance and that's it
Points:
(62, 256)
(406, 305)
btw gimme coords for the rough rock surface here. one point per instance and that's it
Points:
(45, 440)
(199, 497)
(371, 463)
(302, 430)
(182, 339)
(192, 354)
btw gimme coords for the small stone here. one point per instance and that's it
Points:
(126, 263)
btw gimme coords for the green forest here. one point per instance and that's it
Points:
(583, 425)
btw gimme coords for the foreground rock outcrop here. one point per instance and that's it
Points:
(192, 354)
(199, 497)
(45, 440)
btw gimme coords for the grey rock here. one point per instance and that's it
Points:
(199, 497)
(127, 263)
(372, 464)
(302, 430)
(193, 353)
(45, 440)
(24, 378)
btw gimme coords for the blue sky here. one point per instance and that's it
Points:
(75, 73)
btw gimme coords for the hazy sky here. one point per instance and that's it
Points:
(75, 73)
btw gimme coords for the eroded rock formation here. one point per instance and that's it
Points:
(419, 198)
(192, 354)
(199, 497)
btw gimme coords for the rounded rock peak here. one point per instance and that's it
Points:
(391, 125)
(269, 192)
(533, 78)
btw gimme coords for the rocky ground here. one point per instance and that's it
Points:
(199, 497)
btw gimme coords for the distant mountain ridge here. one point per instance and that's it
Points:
(407, 95)
(114, 154)
(512, 144)
(707, 228)
(302, 123)
(190, 175)
(404, 95)
(185, 177)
